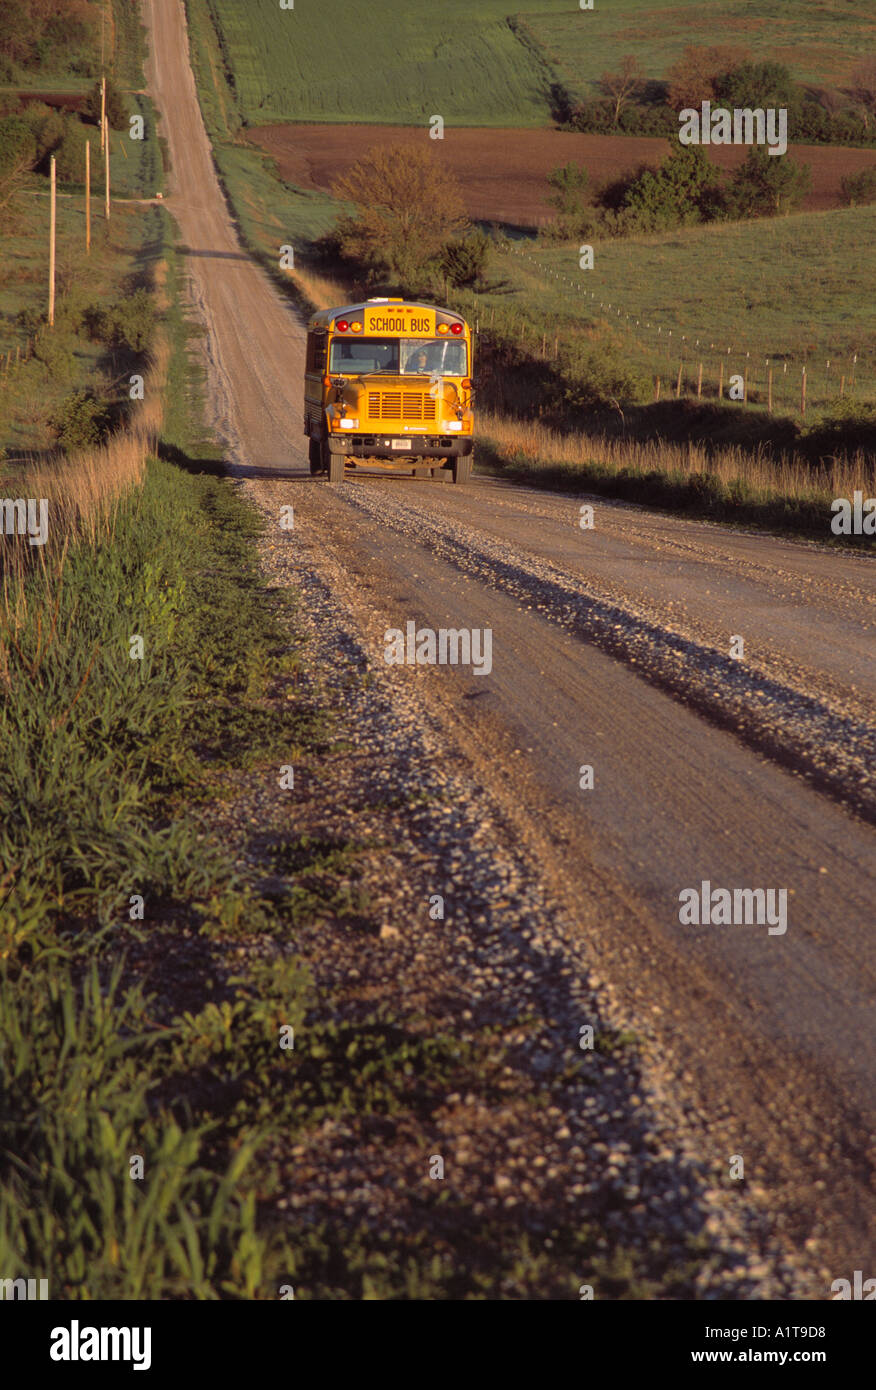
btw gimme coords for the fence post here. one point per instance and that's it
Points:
(678, 380)
(700, 381)
(52, 223)
(721, 381)
(803, 392)
(769, 390)
(657, 393)
(842, 387)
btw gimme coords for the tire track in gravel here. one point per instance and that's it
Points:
(796, 729)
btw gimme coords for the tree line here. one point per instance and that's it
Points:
(631, 104)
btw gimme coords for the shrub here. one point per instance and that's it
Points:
(17, 150)
(595, 378)
(81, 421)
(764, 186)
(672, 194)
(70, 154)
(127, 323)
(465, 262)
(116, 107)
(47, 126)
(55, 350)
(859, 188)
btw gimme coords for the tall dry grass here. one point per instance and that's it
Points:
(318, 291)
(541, 447)
(82, 489)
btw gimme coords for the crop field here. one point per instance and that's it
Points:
(819, 40)
(504, 172)
(466, 62)
(390, 63)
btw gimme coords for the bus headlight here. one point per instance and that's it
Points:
(348, 424)
(453, 424)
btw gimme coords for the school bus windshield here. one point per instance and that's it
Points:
(398, 356)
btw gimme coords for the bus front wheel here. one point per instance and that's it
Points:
(334, 465)
(314, 456)
(462, 470)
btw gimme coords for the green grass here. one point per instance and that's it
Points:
(123, 53)
(383, 63)
(792, 289)
(123, 253)
(390, 64)
(819, 40)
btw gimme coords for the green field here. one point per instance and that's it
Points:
(819, 40)
(402, 64)
(793, 289)
(387, 63)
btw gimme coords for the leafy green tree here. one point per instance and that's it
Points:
(766, 185)
(673, 194)
(758, 85)
(407, 208)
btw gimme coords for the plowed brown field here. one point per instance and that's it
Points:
(504, 172)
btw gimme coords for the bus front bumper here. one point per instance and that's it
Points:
(418, 446)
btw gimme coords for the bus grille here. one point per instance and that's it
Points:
(401, 405)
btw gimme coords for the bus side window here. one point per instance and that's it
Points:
(316, 351)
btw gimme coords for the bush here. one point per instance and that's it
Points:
(673, 194)
(127, 323)
(465, 262)
(116, 106)
(47, 126)
(17, 149)
(81, 422)
(70, 154)
(844, 427)
(55, 350)
(764, 186)
(859, 188)
(594, 378)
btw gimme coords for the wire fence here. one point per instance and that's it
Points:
(698, 366)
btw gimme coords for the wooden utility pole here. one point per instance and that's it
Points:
(102, 109)
(88, 197)
(52, 220)
(106, 173)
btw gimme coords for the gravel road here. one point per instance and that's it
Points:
(611, 647)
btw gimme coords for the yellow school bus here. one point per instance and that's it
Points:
(388, 384)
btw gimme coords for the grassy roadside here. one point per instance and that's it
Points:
(731, 486)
